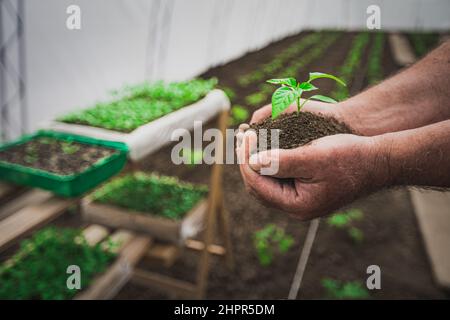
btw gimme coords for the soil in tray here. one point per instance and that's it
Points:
(56, 156)
(297, 129)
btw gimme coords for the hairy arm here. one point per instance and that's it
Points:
(418, 157)
(416, 97)
(335, 170)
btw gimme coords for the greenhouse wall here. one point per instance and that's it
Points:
(169, 40)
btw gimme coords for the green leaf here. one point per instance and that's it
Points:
(306, 86)
(286, 81)
(282, 98)
(323, 98)
(318, 75)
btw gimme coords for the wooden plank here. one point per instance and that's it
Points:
(164, 283)
(433, 214)
(8, 191)
(94, 234)
(165, 253)
(402, 52)
(157, 227)
(110, 282)
(30, 218)
(22, 200)
(199, 246)
(120, 238)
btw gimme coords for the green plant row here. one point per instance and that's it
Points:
(39, 269)
(344, 290)
(137, 105)
(258, 98)
(375, 59)
(277, 63)
(149, 193)
(351, 64)
(345, 221)
(269, 240)
(423, 42)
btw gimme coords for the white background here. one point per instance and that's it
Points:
(128, 41)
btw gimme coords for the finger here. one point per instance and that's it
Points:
(261, 114)
(286, 163)
(244, 127)
(270, 191)
(247, 147)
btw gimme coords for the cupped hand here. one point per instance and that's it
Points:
(315, 179)
(326, 109)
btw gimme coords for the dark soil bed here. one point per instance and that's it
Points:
(56, 156)
(297, 129)
(392, 239)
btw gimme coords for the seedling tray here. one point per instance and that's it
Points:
(164, 229)
(150, 137)
(71, 185)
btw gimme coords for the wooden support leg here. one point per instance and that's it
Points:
(225, 231)
(203, 268)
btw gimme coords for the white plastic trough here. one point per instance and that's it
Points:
(152, 136)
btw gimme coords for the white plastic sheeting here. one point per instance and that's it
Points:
(152, 136)
(128, 41)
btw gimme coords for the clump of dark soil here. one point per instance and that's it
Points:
(56, 156)
(297, 129)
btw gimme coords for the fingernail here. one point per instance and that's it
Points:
(239, 139)
(243, 127)
(254, 162)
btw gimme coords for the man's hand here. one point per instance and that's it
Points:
(315, 179)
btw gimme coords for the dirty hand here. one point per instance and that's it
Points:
(315, 179)
(323, 108)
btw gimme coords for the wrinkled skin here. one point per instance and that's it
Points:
(308, 184)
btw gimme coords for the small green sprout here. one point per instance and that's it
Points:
(268, 239)
(256, 99)
(291, 91)
(344, 290)
(68, 147)
(345, 220)
(238, 114)
(192, 156)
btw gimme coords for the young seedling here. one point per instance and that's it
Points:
(238, 114)
(31, 155)
(291, 91)
(345, 221)
(344, 290)
(192, 156)
(69, 147)
(268, 239)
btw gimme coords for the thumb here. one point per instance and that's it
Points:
(284, 163)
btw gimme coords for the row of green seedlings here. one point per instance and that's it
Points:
(272, 240)
(134, 106)
(351, 64)
(346, 221)
(314, 53)
(239, 113)
(38, 269)
(31, 152)
(279, 61)
(375, 59)
(423, 42)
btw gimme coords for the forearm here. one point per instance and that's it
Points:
(413, 98)
(418, 157)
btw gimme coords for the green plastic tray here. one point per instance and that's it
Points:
(65, 185)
